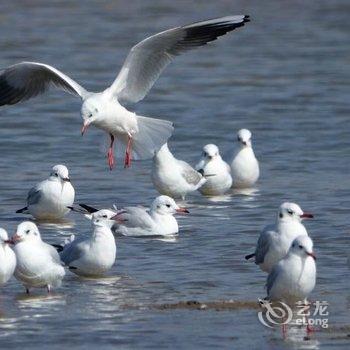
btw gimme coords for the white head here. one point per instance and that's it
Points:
(27, 231)
(103, 218)
(302, 246)
(4, 237)
(292, 212)
(90, 112)
(165, 205)
(210, 152)
(244, 137)
(60, 173)
(103, 214)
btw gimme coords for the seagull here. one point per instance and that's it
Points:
(244, 166)
(174, 177)
(38, 263)
(275, 240)
(293, 278)
(105, 110)
(157, 221)
(216, 170)
(94, 255)
(49, 199)
(7, 258)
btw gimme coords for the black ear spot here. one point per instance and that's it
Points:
(281, 215)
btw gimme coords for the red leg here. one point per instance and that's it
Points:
(127, 161)
(284, 330)
(110, 153)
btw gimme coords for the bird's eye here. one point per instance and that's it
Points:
(104, 216)
(290, 212)
(205, 154)
(281, 215)
(27, 232)
(56, 174)
(168, 205)
(300, 246)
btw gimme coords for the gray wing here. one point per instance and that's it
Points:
(25, 80)
(271, 278)
(74, 251)
(263, 244)
(135, 217)
(148, 59)
(53, 253)
(34, 196)
(191, 175)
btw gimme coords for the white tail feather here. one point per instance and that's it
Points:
(152, 135)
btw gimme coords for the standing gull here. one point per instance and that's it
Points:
(244, 166)
(294, 277)
(38, 263)
(7, 258)
(216, 170)
(174, 177)
(275, 240)
(50, 198)
(142, 67)
(94, 255)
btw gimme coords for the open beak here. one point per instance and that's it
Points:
(84, 128)
(306, 216)
(9, 241)
(66, 179)
(312, 255)
(182, 210)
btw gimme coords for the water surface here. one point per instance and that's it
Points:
(284, 76)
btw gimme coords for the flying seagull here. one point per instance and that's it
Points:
(142, 136)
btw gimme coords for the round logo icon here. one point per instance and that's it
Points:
(274, 314)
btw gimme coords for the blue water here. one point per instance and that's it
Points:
(284, 76)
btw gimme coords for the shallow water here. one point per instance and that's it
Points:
(283, 76)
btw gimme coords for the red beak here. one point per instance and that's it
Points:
(15, 238)
(306, 216)
(312, 255)
(9, 241)
(84, 128)
(182, 210)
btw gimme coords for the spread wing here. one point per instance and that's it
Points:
(25, 80)
(148, 59)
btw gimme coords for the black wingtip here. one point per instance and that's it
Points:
(249, 256)
(20, 211)
(88, 208)
(58, 247)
